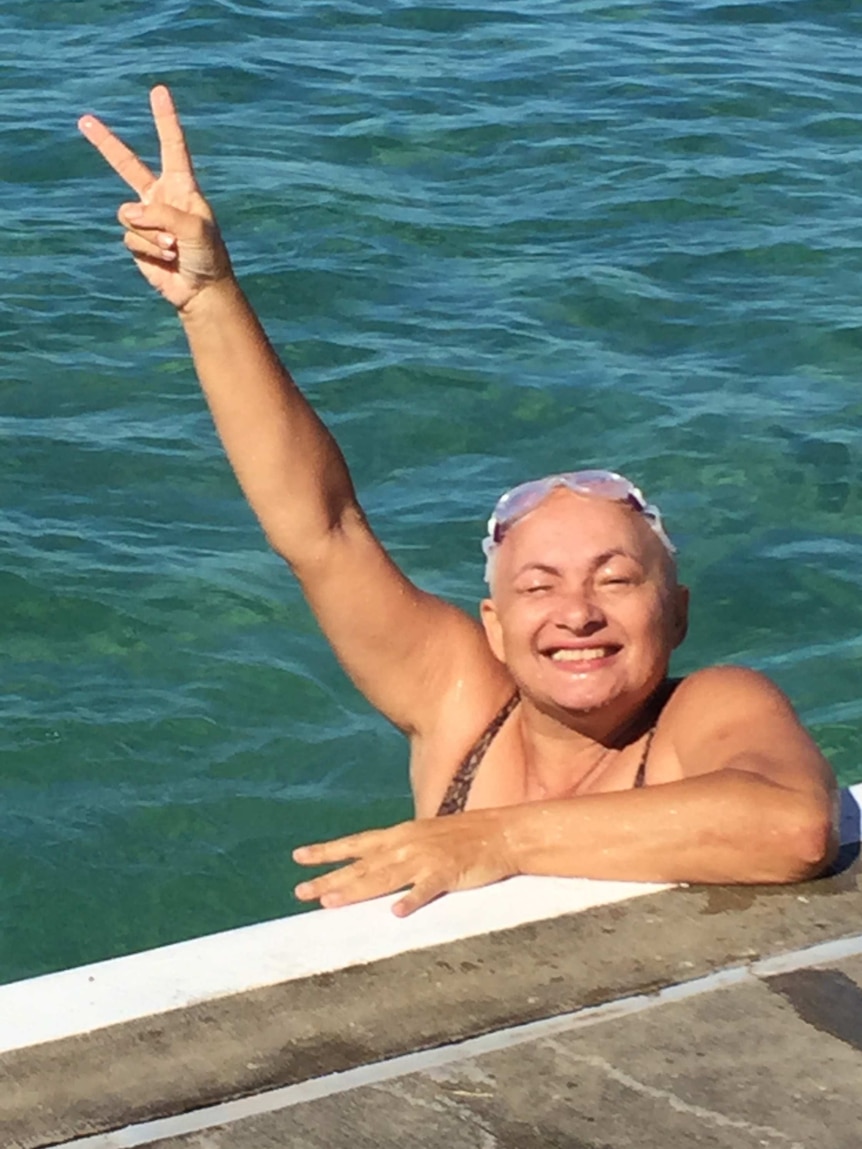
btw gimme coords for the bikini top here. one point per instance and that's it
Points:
(455, 798)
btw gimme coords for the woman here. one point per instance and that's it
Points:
(550, 732)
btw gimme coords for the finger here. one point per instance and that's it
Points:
(120, 157)
(354, 883)
(334, 882)
(161, 217)
(140, 247)
(159, 241)
(175, 154)
(419, 896)
(338, 850)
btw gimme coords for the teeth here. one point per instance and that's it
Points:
(584, 655)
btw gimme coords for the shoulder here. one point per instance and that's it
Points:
(720, 695)
(726, 714)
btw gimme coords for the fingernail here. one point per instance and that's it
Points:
(302, 891)
(133, 211)
(166, 240)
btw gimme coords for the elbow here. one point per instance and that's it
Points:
(301, 557)
(811, 844)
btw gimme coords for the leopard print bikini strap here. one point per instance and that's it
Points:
(455, 798)
(456, 795)
(640, 777)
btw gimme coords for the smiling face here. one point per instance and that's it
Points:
(586, 609)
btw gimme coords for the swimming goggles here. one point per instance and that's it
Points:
(520, 500)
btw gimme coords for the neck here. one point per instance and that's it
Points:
(562, 751)
(558, 761)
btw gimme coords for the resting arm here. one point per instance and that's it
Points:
(733, 826)
(756, 803)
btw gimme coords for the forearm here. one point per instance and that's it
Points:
(288, 464)
(726, 827)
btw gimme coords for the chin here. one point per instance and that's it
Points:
(582, 697)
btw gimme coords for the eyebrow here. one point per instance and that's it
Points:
(617, 552)
(539, 568)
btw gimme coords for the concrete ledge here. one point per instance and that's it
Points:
(369, 1010)
(763, 1055)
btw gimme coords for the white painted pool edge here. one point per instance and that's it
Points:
(140, 985)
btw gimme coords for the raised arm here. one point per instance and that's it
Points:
(402, 647)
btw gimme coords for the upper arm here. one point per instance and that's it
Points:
(404, 648)
(728, 717)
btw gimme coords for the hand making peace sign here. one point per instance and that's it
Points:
(172, 232)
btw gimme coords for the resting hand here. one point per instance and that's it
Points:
(171, 232)
(432, 856)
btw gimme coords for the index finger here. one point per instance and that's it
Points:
(338, 849)
(121, 157)
(175, 154)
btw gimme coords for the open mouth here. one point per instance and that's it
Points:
(581, 654)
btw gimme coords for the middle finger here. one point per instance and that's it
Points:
(175, 153)
(352, 883)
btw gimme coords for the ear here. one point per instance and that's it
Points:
(493, 629)
(680, 615)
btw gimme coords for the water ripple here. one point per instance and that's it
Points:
(492, 241)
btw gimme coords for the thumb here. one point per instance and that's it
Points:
(161, 217)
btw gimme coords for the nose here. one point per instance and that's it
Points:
(580, 614)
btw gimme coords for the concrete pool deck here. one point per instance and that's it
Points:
(536, 1013)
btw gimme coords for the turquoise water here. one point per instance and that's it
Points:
(491, 242)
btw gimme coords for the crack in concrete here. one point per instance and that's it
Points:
(446, 1103)
(708, 1115)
